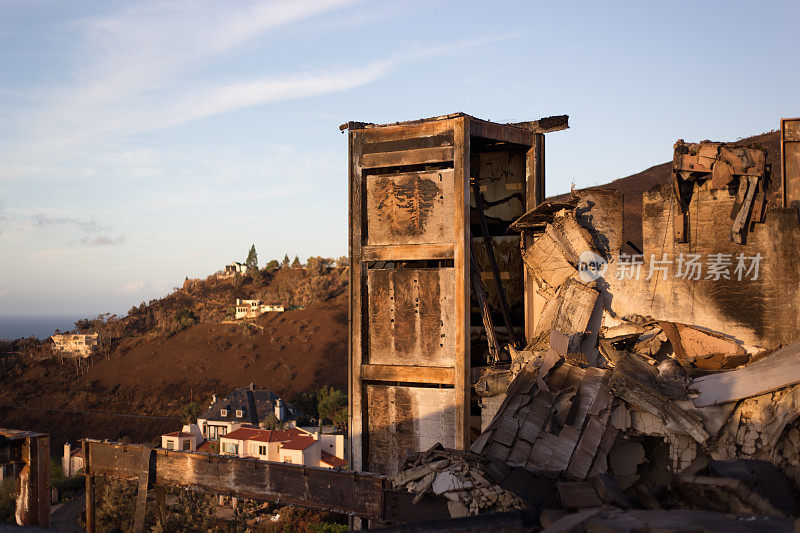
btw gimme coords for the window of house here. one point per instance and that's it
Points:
(223, 412)
(262, 450)
(231, 448)
(187, 445)
(287, 460)
(238, 413)
(170, 444)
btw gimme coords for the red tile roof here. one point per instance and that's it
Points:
(264, 435)
(298, 443)
(331, 460)
(207, 447)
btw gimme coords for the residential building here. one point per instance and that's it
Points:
(254, 308)
(188, 439)
(78, 345)
(245, 406)
(292, 445)
(233, 269)
(72, 460)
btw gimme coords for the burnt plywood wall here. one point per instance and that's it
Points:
(408, 356)
(410, 235)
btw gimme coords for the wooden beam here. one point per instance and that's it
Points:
(545, 124)
(461, 263)
(500, 132)
(435, 375)
(779, 370)
(421, 156)
(407, 252)
(360, 494)
(406, 131)
(356, 311)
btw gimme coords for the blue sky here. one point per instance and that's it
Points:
(142, 142)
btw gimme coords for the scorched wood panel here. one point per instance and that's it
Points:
(410, 208)
(411, 317)
(406, 419)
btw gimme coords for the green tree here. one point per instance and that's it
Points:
(307, 403)
(272, 265)
(332, 407)
(190, 412)
(252, 258)
(286, 261)
(296, 263)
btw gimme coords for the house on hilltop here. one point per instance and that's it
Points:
(254, 308)
(78, 345)
(232, 270)
(243, 407)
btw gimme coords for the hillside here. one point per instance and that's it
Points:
(154, 365)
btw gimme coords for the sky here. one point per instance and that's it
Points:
(144, 142)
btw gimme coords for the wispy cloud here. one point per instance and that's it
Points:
(131, 287)
(89, 225)
(104, 240)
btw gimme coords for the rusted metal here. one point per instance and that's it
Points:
(479, 290)
(487, 240)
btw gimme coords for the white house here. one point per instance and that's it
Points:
(187, 440)
(72, 460)
(292, 445)
(254, 308)
(81, 345)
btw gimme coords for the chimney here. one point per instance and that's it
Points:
(280, 410)
(65, 465)
(213, 398)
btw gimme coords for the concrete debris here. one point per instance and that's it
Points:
(459, 477)
(641, 396)
(647, 398)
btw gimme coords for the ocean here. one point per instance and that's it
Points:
(15, 327)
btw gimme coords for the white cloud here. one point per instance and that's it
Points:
(131, 287)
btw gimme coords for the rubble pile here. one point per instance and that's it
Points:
(624, 400)
(457, 476)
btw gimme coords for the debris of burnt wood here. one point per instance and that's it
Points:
(648, 399)
(459, 477)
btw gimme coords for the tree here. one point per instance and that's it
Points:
(252, 258)
(190, 412)
(286, 261)
(296, 263)
(343, 261)
(332, 406)
(272, 265)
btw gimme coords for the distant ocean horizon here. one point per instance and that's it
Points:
(41, 326)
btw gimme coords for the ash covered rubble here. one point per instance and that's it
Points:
(649, 399)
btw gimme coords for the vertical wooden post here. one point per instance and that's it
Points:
(461, 263)
(41, 475)
(33, 483)
(356, 426)
(87, 470)
(534, 195)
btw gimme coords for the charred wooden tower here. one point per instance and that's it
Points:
(415, 331)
